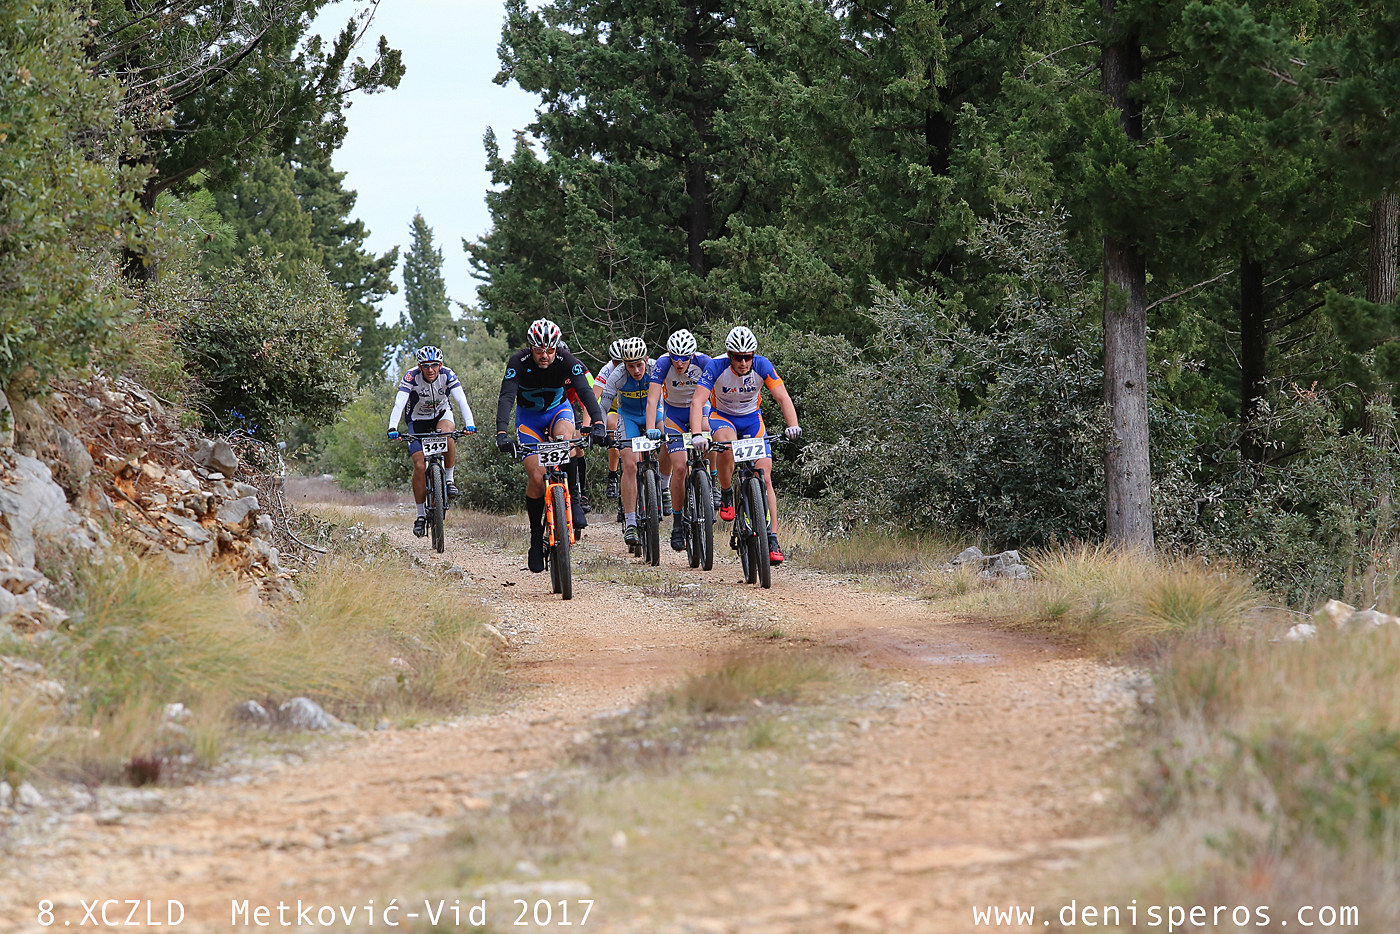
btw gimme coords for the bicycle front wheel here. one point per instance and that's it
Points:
(651, 518)
(701, 540)
(437, 500)
(743, 535)
(563, 574)
(758, 521)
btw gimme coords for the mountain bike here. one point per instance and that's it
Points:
(648, 499)
(698, 511)
(434, 450)
(750, 533)
(558, 511)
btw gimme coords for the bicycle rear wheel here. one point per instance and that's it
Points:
(562, 573)
(437, 498)
(651, 518)
(700, 543)
(758, 520)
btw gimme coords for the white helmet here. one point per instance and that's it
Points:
(741, 340)
(681, 344)
(615, 350)
(544, 333)
(633, 348)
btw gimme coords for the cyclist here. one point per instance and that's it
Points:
(534, 384)
(628, 384)
(614, 455)
(735, 382)
(674, 378)
(425, 393)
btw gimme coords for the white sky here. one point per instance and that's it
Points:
(418, 147)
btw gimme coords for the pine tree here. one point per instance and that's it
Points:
(428, 319)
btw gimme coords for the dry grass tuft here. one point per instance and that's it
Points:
(768, 677)
(890, 557)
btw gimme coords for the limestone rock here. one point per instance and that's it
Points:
(305, 714)
(234, 512)
(217, 456)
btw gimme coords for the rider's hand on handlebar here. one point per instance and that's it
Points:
(469, 430)
(653, 434)
(393, 434)
(793, 432)
(503, 441)
(700, 443)
(599, 433)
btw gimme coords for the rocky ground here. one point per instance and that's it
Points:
(964, 767)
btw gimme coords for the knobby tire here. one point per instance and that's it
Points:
(702, 521)
(559, 506)
(758, 519)
(651, 518)
(743, 531)
(437, 502)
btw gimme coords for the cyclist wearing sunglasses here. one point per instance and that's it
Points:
(734, 383)
(424, 393)
(534, 386)
(674, 378)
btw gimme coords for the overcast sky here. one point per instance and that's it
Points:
(418, 147)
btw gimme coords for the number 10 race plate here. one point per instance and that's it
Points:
(553, 453)
(435, 446)
(642, 445)
(749, 449)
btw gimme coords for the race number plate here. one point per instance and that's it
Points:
(553, 453)
(749, 449)
(434, 446)
(641, 445)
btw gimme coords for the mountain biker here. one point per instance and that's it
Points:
(614, 455)
(577, 468)
(628, 384)
(534, 384)
(735, 382)
(674, 378)
(425, 392)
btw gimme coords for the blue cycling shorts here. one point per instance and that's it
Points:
(632, 425)
(677, 420)
(745, 426)
(532, 427)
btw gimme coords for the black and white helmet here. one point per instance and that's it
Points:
(615, 350)
(681, 344)
(633, 348)
(741, 340)
(544, 333)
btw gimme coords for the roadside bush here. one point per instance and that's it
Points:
(67, 205)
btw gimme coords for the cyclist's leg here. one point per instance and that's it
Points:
(630, 429)
(614, 455)
(722, 429)
(563, 428)
(446, 424)
(420, 481)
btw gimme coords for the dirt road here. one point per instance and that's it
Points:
(966, 770)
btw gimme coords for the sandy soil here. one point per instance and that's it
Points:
(980, 785)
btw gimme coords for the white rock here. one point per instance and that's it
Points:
(28, 796)
(7, 795)
(619, 841)
(305, 714)
(1336, 612)
(177, 712)
(1301, 632)
(1370, 619)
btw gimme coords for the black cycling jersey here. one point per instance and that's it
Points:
(540, 389)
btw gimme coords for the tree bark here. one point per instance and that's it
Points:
(1384, 252)
(1127, 462)
(1254, 344)
(1381, 270)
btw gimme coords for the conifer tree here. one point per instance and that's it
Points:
(428, 318)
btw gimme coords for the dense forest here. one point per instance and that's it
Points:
(1037, 272)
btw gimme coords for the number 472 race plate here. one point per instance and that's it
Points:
(749, 449)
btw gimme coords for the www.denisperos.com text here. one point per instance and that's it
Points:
(1167, 917)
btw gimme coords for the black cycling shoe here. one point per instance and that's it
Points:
(420, 526)
(678, 536)
(451, 489)
(536, 556)
(582, 500)
(621, 516)
(614, 484)
(629, 535)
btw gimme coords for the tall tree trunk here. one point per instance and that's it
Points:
(1254, 343)
(1382, 260)
(1127, 464)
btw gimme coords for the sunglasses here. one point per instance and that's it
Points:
(741, 357)
(433, 365)
(681, 361)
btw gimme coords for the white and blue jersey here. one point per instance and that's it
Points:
(678, 389)
(631, 395)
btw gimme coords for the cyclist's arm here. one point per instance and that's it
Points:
(509, 388)
(585, 395)
(400, 403)
(653, 402)
(784, 400)
(460, 396)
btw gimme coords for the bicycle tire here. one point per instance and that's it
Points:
(559, 506)
(742, 532)
(758, 508)
(437, 498)
(651, 519)
(702, 526)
